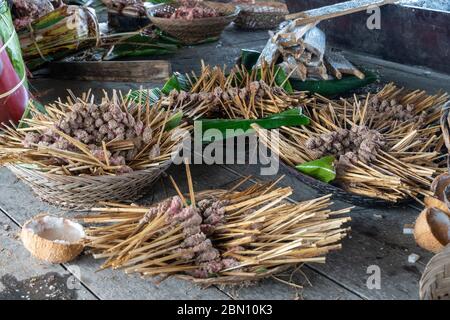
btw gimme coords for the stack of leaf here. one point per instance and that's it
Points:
(142, 43)
(216, 236)
(386, 146)
(26, 11)
(68, 30)
(57, 34)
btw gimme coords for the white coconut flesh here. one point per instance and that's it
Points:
(56, 229)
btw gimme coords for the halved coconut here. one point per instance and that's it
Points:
(439, 184)
(432, 229)
(53, 239)
(431, 202)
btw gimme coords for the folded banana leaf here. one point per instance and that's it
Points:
(323, 87)
(322, 169)
(176, 82)
(139, 44)
(57, 34)
(221, 129)
(174, 121)
(141, 96)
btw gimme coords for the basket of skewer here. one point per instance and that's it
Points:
(77, 153)
(260, 15)
(192, 21)
(225, 237)
(386, 147)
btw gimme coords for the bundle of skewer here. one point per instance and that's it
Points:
(216, 236)
(215, 93)
(387, 146)
(79, 152)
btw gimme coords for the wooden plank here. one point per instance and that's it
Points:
(120, 71)
(17, 200)
(335, 10)
(24, 278)
(315, 287)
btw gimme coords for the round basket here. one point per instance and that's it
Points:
(341, 194)
(197, 30)
(435, 281)
(261, 15)
(79, 192)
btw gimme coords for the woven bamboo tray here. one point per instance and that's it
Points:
(340, 194)
(261, 15)
(435, 281)
(197, 30)
(85, 191)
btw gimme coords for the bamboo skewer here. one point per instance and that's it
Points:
(404, 168)
(258, 231)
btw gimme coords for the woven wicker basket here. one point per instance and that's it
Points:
(435, 281)
(261, 15)
(197, 30)
(85, 191)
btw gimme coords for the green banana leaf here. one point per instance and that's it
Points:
(174, 121)
(249, 58)
(177, 82)
(322, 87)
(334, 87)
(141, 96)
(322, 169)
(229, 128)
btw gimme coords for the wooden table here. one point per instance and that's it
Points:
(376, 239)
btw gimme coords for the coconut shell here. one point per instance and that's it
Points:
(49, 250)
(431, 202)
(429, 234)
(439, 184)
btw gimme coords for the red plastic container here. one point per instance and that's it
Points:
(13, 106)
